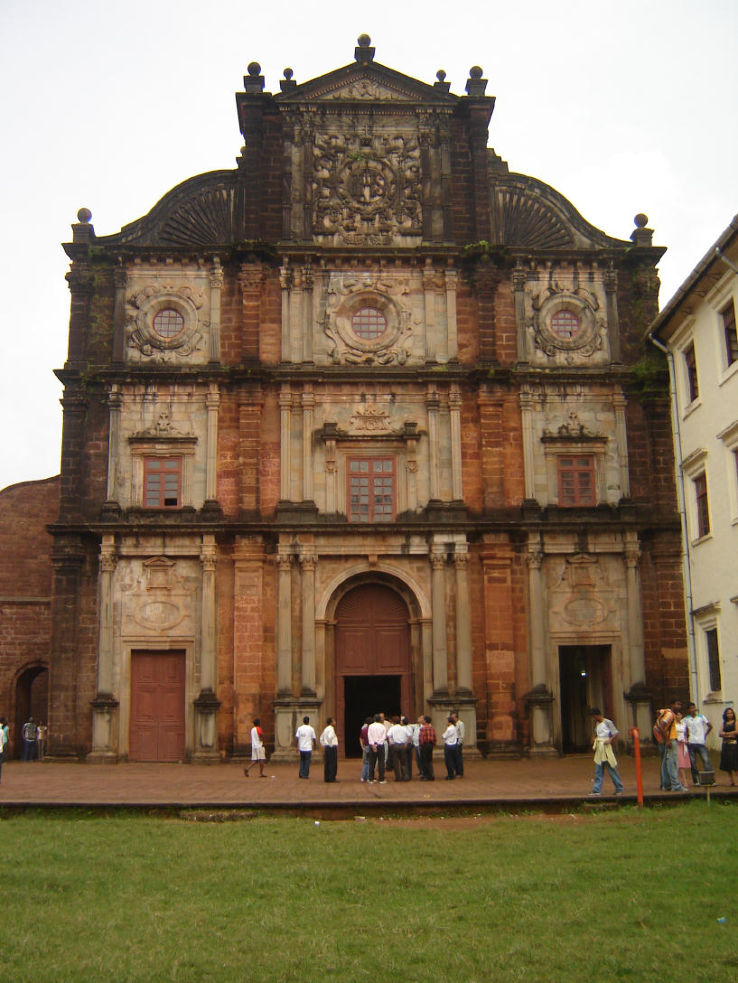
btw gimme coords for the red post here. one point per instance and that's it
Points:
(636, 735)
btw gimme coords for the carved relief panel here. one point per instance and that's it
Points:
(586, 595)
(566, 319)
(159, 598)
(167, 317)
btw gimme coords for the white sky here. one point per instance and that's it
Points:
(624, 106)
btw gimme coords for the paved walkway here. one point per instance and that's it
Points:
(550, 783)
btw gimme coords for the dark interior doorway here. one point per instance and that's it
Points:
(363, 697)
(584, 676)
(31, 700)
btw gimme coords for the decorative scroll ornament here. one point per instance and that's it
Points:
(143, 307)
(347, 294)
(366, 189)
(370, 418)
(583, 305)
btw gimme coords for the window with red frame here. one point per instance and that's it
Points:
(576, 480)
(690, 362)
(731, 338)
(162, 482)
(371, 489)
(703, 512)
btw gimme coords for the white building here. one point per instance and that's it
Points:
(698, 327)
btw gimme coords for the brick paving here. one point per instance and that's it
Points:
(549, 783)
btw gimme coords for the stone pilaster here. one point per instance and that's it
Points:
(454, 402)
(308, 410)
(540, 699)
(285, 444)
(207, 703)
(451, 277)
(216, 286)
(307, 565)
(432, 403)
(105, 705)
(438, 602)
(637, 695)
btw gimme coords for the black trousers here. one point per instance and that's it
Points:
(426, 761)
(330, 764)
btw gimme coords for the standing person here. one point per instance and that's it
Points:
(364, 742)
(683, 763)
(450, 739)
(696, 728)
(3, 746)
(664, 730)
(427, 740)
(258, 751)
(729, 751)
(29, 739)
(604, 756)
(41, 740)
(377, 737)
(414, 749)
(305, 736)
(329, 743)
(398, 736)
(460, 738)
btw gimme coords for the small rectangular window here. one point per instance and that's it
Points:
(576, 480)
(713, 660)
(371, 489)
(162, 482)
(703, 512)
(690, 361)
(731, 339)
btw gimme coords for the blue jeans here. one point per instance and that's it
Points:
(600, 774)
(29, 749)
(365, 765)
(305, 757)
(670, 768)
(695, 751)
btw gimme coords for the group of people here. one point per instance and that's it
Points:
(681, 739)
(34, 740)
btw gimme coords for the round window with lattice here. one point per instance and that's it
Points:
(565, 324)
(368, 324)
(168, 323)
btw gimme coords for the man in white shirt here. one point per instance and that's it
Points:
(399, 736)
(605, 733)
(460, 737)
(377, 737)
(696, 729)
(305, 736)
(450, 739)
(329, 743)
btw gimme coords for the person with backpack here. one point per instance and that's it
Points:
(665, 734)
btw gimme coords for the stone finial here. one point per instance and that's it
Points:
(441, 83)
(364, 53)
(476, 85)
(641, 236)
(82, 230)
(254, 81)
(287, 82)
(84, 215)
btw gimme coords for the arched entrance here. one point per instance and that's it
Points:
(31, 700)
(373, 659)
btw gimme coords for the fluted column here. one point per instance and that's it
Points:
(284, 622)
(454, 402)
(307, 562)
(463, 623)
(216, 286)
(285, 442)
(433, 404)
(438, 601)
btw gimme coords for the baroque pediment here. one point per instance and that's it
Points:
(365, 84)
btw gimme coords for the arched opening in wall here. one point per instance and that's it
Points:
(585, 682)
(31, 700)
(373, 659)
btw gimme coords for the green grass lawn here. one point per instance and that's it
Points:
(621, 895)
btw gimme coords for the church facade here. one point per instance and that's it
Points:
(360, 425)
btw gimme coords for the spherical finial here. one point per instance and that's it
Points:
(363, 40)
(84, 215)
(288, 73)
(476, 72)
(641, 220)
(254, 69)
(441, 75)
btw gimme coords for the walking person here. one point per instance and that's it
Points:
(329, 743)
(306, 740)
(729, 751)
(604, 756)
(258, 751)
(427, 740)
(29, 739)
(696, 729)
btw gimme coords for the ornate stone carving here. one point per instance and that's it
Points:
(366, 188)
(370, 418)
(348, 293)
(144, 305)
(581, 303)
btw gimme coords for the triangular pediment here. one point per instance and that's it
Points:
(366, 84)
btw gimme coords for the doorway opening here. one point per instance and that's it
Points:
(584, 676)
(363, 697)
(157, 731)
(31, 700)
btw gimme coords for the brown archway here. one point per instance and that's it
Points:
(373, 659)
(31, 700)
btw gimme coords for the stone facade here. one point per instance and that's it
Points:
(349, 376)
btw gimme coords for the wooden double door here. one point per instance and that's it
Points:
(157, 731)
(373, 664)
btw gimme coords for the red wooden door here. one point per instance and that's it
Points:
(157, 731)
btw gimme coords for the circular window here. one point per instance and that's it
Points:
(168, 323)
(368, 324)
(565, 324)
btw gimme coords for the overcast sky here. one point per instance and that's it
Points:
(623, 107)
